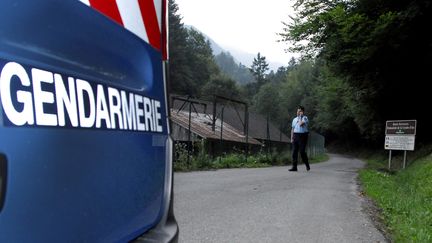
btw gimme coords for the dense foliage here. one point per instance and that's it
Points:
(363, 62)
(375, 54)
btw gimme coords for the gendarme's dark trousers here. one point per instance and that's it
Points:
(300, 142)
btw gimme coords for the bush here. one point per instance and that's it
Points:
(202, 161)
(181, 157)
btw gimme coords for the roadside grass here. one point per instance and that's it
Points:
(203, 161)
(235, 160)
(405, 196)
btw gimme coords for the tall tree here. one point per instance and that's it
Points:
(334, 103)
(192, 63)
(200, 59)
(259, 69)
(180, 73)
(266, 101)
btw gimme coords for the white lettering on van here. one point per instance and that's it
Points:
(43, 96)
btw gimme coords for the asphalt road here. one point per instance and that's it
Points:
(274, 205)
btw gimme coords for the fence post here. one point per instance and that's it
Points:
(221, 133)
(189, 135)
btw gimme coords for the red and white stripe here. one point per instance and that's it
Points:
(145, 18)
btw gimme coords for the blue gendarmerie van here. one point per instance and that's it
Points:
(85, 151)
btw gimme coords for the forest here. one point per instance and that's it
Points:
(362, 63)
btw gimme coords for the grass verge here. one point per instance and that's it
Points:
(405, 197)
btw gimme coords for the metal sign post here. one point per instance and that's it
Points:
(390, 157)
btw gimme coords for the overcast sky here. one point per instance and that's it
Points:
(247, 25)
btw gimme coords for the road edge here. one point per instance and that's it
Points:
(373, 212)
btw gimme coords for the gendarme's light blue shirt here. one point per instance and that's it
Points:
(296, 126)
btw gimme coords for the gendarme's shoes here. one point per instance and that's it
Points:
(293, 169)
(308, 168)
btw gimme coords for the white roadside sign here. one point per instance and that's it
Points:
(400, 135)
(401, 142)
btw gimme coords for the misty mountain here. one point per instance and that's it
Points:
(246, 59)
(233, 62)
(240, 57)
(227, 63)
(215, 46)
(234, 70)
